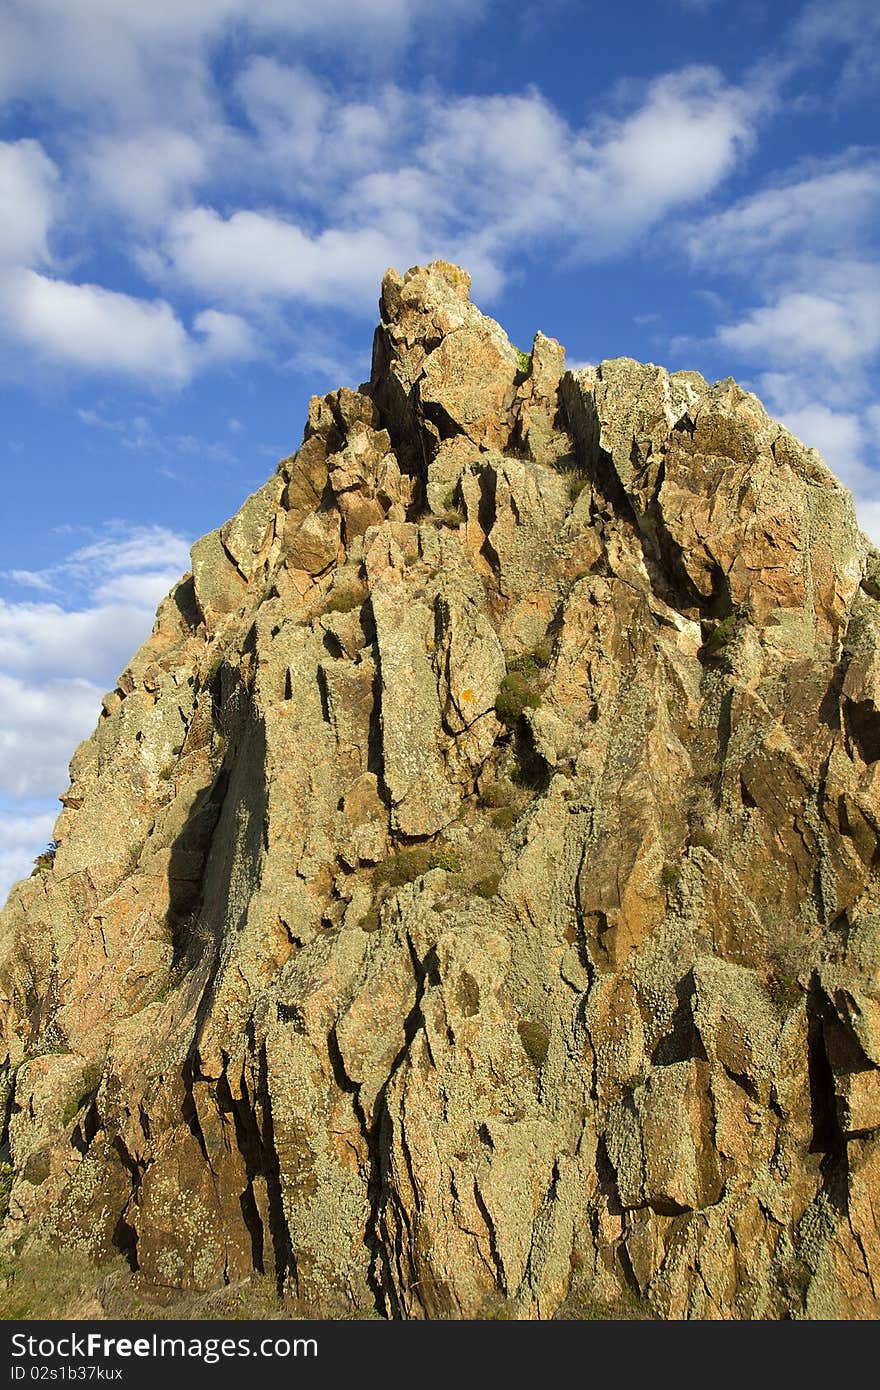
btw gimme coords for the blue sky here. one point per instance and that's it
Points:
(200, 198)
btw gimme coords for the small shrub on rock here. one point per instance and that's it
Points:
(517, 693)
(487, 886)
(498, 794)
(535, 1038)
(409, 864)
(346, 599)
(44, 861)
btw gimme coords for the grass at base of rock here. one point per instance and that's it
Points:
(521, 687)
(515, 696)
(784, 990)
(670, 875)
(346, 599)
(535, 1038)
(584, 1306)
(488, 886)
(409, 864)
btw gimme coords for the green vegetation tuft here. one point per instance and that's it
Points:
(701, 838)
(43, 862)
(498, 794)
(584, 1306)
(409, 864)
(488, 886)
(532, 663)
(720, 638)
(346, 598)
(516, 694)
(784, 990)
(523, 363)
(535, 1038)
(7, 1178)
(521, 687)
(670, 875)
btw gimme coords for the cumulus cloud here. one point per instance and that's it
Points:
(807, 245)
(144, 173)
(117, 550)
(28, 191)
(805, 248)
(83, 325)
(58, 653)
(253, 255)
(95, 329)
(476, 179)
(835, 325)
(826, 206)
(42, 724)
(23, 834)
(137, 60)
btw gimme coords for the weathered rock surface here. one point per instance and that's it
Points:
(469, 896)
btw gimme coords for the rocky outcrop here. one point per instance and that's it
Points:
(468, 900)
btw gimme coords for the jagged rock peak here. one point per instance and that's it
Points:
(468, 900)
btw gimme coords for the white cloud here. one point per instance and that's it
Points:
(28, 191)
(307, 136)
(253, 255)
(87, 326)
(94, 329)
(145, 173)
(42, 724)
(853, 25)
(224, 337)
(836, 325)
(682, 143)
(38, 640)
(826, 208)
(23, 835)
(509, 167)
(137, 60)
(58, 656)
(474, 179)
(121, 552)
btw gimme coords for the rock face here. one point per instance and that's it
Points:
(469, 896)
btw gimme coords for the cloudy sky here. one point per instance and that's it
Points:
(199, 198)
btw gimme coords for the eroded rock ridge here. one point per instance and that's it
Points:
(469, 896)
